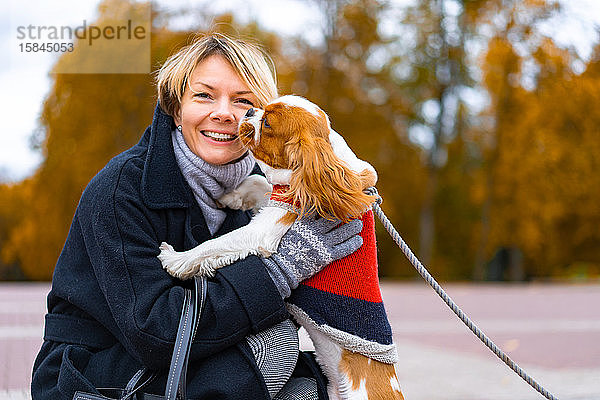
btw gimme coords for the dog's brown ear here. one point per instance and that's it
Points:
(321, 182)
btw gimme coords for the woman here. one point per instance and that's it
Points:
(113, 310)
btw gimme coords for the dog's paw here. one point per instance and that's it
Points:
(174, 262)
(183, 265)
(167, 255)
(251, 194)
(165, 247)
(265, 252)
(233, 200)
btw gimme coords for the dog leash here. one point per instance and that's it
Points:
(453, 306)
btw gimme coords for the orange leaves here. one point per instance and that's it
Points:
(501, 67)
(546, 162)
(520, 168)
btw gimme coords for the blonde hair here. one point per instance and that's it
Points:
(254, 66)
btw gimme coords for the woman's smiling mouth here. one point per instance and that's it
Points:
(219, 137)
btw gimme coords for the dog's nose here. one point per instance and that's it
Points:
(249, 113)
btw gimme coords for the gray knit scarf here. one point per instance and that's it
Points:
(209, 181)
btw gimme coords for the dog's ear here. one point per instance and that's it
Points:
(322, 182)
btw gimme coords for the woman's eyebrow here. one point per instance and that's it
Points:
(212, 88)
(203, 84)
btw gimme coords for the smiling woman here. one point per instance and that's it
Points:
(113, 310)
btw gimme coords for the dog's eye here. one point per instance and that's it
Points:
(266, 124)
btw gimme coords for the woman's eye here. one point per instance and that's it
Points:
(202, 95)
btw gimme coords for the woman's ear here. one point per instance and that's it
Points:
(177, 117)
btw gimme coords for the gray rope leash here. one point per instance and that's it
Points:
(453, 306)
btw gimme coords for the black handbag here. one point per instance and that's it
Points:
(176, 380)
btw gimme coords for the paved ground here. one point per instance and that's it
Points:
(551, 331)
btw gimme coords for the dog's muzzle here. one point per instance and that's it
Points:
(254, 117)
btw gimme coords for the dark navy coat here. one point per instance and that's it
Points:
(112, 308)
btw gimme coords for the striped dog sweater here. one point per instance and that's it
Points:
(344, 300)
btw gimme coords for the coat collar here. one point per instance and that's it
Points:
(163, 184)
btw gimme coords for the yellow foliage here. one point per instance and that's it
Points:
(522, 173)
(545, 170)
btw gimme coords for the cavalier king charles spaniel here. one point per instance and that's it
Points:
(309, 168)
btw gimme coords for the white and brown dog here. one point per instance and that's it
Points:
(313, 170)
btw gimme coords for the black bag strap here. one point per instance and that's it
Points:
(190, 315)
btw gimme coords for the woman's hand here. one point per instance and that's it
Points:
(308, 246)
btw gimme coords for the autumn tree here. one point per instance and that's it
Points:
(509, 76)
(428, 74)
(12, 196)
(544, 170)
(86, 120)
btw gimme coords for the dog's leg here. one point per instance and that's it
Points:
(260, 237)
(369, 379)
(328, 355)
(351, 375)
(343, 151)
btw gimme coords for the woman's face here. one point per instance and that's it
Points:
(210, 112)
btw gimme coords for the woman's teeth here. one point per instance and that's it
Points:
(219, 137)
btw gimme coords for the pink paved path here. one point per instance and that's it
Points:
(552, 326)
(553, 331)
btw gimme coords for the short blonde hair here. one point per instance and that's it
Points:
(254, 66)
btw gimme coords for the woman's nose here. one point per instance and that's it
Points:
(223, 112)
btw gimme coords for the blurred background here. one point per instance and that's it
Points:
(481, 116)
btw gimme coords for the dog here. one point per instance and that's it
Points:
(309, 168)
